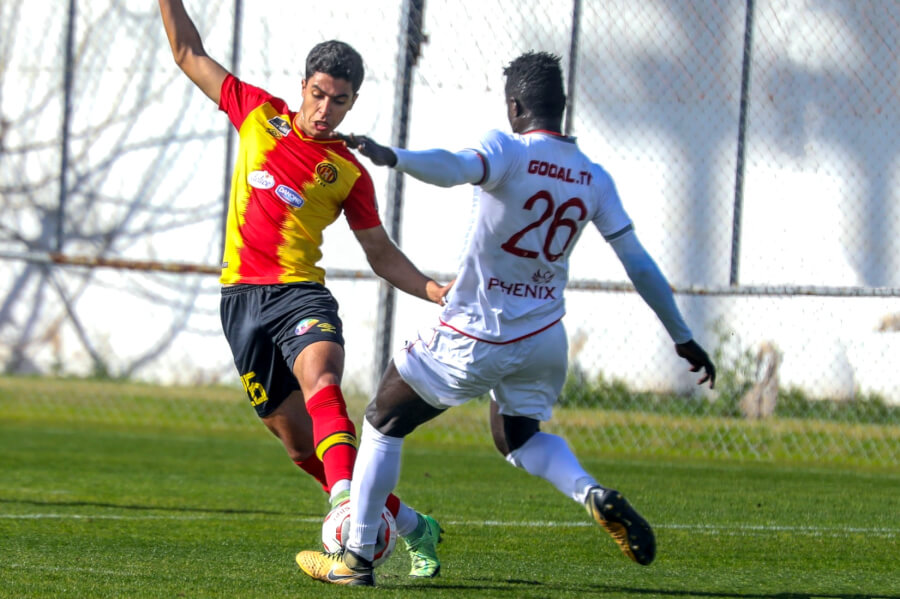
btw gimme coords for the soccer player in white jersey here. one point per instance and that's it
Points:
(500, 331)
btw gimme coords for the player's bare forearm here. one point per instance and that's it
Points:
(393, 266)
(402, 274)
(188, 51)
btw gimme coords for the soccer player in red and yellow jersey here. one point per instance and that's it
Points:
(293, 178)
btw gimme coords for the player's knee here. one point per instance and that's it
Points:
(399, 417)
(500, 441)
(386, 420)
(511, 432)
(393, 422)
(517, 431)
(299, 455)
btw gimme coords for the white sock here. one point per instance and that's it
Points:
(375, 475)
(407, 520)
(549, 457)
(339, 487)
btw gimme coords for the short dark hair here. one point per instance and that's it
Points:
(337, 59)
(535, 79)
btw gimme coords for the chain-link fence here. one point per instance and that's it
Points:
(753, 144)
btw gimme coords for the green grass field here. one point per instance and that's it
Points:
(106, 492)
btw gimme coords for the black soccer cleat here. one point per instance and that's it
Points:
(629, 530)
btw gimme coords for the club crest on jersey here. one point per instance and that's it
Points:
(326, 173)
(261, 180)
(305, 325)
(280, 124)
(289, 195)
(542, 277)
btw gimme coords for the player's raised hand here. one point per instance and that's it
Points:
(377, 153)
(698, 358)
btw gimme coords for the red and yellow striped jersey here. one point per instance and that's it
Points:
(285, 189)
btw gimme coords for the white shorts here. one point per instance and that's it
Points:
(447, 368)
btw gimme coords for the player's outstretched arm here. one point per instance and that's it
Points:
(654, 289)
(187, 49)
(438, 167)
(392, 265)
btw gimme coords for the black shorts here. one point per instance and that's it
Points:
(267, 326)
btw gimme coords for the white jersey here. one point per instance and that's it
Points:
(538, 194)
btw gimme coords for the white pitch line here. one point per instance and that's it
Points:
(186, 517)
(715, 529)
(732, 529)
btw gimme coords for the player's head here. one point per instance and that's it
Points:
(337, 59)
(534, 88)
(334, 74)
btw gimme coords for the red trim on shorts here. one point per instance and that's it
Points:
(532, 334)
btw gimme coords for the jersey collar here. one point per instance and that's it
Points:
(555, 134)
(303, 136)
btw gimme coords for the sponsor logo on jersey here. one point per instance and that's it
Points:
(542, 277)
(280, 124)
(305, 325)
(289, 195)
(522, 289)
(326, 173)
(261, 180)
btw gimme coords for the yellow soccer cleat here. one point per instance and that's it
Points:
(340, 567)
(632, 533)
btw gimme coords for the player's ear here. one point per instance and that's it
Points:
(513, 112)
(353, 100)
(515, 107)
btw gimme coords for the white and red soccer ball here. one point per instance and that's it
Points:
(336, 528)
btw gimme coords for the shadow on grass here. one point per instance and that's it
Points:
(740, 595)
(514, 586)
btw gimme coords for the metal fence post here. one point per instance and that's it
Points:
(68, 78)
(733, 278)
(411, 40)
(230, 132)
(573, 62)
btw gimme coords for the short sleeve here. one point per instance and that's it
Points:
(360, 207)
(610, 217)
(238, 99)
(500, 153)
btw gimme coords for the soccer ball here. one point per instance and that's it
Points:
(336, 528)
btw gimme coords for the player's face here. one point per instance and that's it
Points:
(326, 101)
